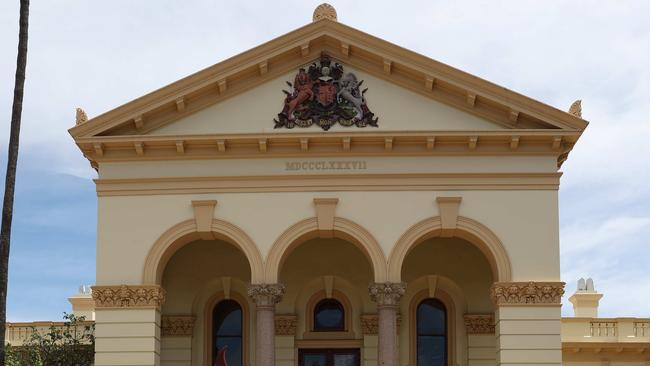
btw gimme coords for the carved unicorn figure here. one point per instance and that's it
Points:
(349, 90)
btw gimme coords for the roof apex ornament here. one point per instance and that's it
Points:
(81, 116)
(576, 108)
(324, 11)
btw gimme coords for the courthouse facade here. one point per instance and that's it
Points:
(329, 198)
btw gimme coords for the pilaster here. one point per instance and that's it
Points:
(176, 343)
(528, 322)
(127, 324)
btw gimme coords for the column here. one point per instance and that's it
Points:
(265, 297)
(528, 322)
(127, 324)
(387, 296)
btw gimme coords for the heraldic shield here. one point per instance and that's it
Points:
(324, 95)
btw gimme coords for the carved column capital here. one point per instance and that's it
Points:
(177, 325)
(125, 296)
(285, 325)
(527, 293)
(266, 294)
(479, 323)
(387, 293)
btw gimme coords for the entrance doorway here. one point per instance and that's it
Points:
(329, 357)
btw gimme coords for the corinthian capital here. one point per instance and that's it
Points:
(387, 293)
(266, 294)
(125, 296)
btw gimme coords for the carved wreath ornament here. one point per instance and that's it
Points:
(324, 95)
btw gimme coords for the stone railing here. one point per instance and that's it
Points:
(17, 333)
(605, 330)
(642, 328)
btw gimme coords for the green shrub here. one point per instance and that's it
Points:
(72, 344)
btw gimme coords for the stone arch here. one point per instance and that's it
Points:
(185, 232)
(471, 230)
(308, 229)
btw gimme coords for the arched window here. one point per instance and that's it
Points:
(227, 327)
(431, 333)
(329, 316)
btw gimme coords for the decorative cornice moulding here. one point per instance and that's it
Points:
(126, 296)
(527, 293)
(557, 143)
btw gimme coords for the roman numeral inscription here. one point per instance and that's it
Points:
(325, 165)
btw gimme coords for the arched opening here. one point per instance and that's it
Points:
(447, 278)
(206, 280)
(184, 233)
(307, 230)
(329, 316)
(431, 333)
(467, 229)
(327, 289)
(227, 334)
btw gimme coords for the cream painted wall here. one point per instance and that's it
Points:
(132, 224)
(397, 109)
(525, 221)
(395, 165)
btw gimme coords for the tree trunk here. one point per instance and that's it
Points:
(10, 180)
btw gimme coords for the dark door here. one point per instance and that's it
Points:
(329, 357)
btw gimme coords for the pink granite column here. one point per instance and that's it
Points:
(387, 296)
(265, 298)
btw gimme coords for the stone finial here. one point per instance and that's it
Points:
(586, 286)
(81, 116)
(324, 11)
(585, 300)
(576, 108)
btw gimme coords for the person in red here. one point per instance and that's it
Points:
(302, 91)
(221, 357)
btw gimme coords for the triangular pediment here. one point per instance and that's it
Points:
(422, 106)
(386, 65)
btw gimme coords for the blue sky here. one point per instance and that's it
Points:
(99, 55)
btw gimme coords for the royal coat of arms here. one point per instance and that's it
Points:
(325, 95)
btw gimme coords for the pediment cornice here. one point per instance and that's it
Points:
(370, 54)
(556, 143)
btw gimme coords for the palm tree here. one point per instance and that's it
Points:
(12, 159)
